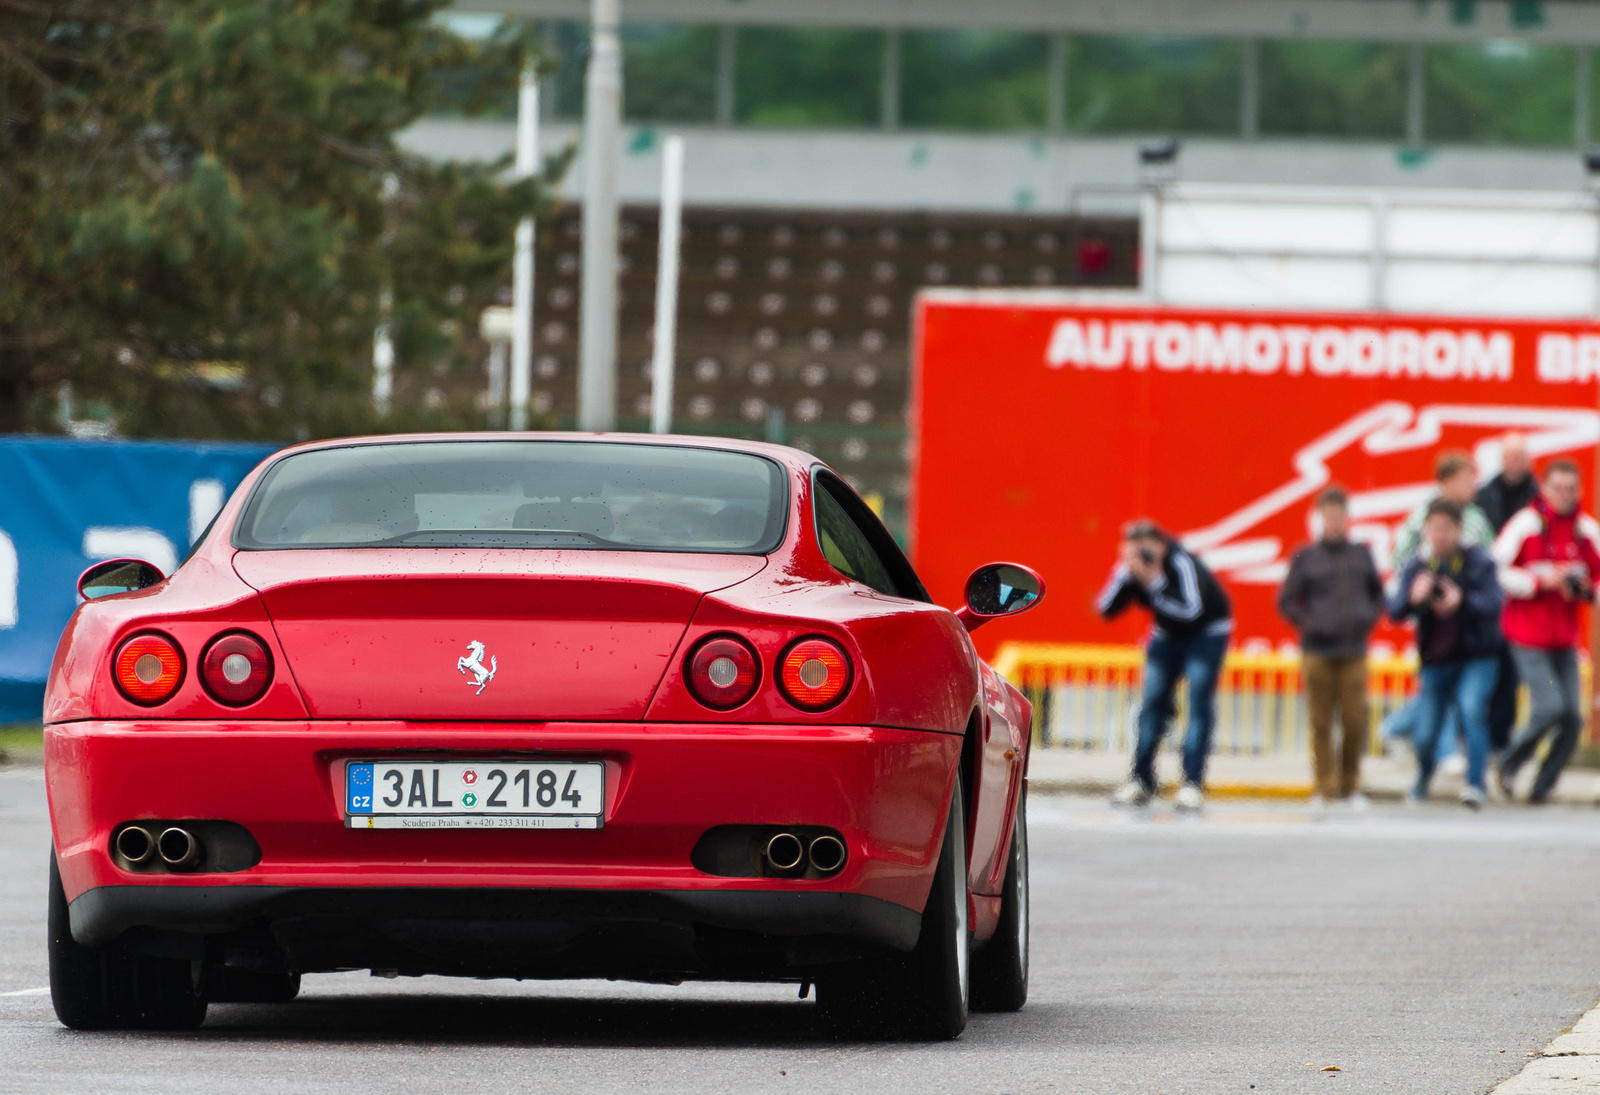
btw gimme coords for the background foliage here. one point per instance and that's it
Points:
(1505, 92)
(1352, 89)
(965, 80)
(205, 214)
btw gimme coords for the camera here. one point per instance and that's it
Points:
(1576, 585)
(1147, 557)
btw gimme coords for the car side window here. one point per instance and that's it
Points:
(847, 547)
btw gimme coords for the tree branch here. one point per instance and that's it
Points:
(56, 14)
(26, 64)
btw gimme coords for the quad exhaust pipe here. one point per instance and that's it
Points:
(788, 854)
(827, 854)
(179, 848)
(136, 844)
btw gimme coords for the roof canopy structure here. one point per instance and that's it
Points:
(1555, 22)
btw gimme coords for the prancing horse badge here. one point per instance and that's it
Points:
(473, 663)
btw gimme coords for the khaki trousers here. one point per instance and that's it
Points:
(1337, 684)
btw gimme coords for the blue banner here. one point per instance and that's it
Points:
(65, 504)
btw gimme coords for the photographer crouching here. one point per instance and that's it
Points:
(1193, 620)
(1547, 560)
(1451, 591)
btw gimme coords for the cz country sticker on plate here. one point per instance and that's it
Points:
(474, 794)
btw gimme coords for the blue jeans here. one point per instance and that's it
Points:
(1469, 685)
(1402, 723)
(1167, 660)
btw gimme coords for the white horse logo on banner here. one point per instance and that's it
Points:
(473, 663)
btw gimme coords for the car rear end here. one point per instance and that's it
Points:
(485, 710)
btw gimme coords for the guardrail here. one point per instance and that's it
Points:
(1086, 696)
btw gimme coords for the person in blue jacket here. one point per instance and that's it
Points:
(1193, 620)
(1453, 593)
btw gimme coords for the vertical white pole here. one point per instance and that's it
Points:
(661, 366)
(382, 339)
(497, 382)
(597, 321)
(522, 264)
(382, 367)
(1150, 243)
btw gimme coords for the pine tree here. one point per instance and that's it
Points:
(204, 213)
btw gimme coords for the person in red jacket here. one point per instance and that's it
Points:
(1548, 559)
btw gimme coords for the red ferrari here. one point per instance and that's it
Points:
(537, 706)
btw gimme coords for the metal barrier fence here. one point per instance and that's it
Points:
(1086, 696)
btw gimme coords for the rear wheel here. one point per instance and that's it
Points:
(101, 988)
(921, 995)
(1000, 966)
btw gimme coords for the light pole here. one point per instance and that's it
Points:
(522, 264)
(602, 122)
(382, 336)
(498, 326)
(661, 365)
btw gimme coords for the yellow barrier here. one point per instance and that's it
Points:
(1086, 696)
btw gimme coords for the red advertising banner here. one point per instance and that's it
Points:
(1038, 429)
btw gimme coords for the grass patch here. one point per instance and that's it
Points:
(21, 738)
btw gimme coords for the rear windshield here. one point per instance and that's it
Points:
(533, 494)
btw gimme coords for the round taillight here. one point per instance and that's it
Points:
(814, 674)
(723, 672)
(236, 669)
(148, 668)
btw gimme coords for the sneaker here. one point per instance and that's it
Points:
(1132, 793)
(1472, 798)
(1415, 798)
(1189, 797)
(1358, 802)
(1453, 765)
(1319, 805)
(1505, 781)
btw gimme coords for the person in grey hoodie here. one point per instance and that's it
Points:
(1334, 597)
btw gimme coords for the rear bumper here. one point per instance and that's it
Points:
(506, 932)
(885, 791)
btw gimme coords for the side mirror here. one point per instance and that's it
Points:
(999, 589)
(116, 576)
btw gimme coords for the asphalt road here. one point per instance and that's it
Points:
(1426, 951)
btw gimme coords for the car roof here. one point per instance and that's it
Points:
(793, 458)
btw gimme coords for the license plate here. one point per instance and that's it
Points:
(474, 794)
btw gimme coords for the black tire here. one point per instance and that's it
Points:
(1000, 966)
(231, 985)
(101, 988)
(921, 996)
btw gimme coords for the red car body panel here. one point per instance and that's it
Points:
(570, 647)
(885, 790)
(202, 599)
(591, 648)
